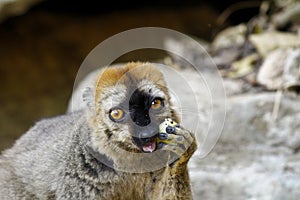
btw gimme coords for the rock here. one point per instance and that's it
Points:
(266, 42)
(243, 67)
(188, 52)
(224, 57)
(15, 7)
(289, 14)
(227, 46)
(270, 73)
(291, 72)
(249, 119)
(232, 36)
(247, 163)
(233, 86)
(281, 69)
(293, 164)
(286, 132)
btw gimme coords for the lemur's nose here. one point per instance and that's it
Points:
(148, 132)
(143, 122)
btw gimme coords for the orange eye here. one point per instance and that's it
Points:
(116, 114)
(157, 104)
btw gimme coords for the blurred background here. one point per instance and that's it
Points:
(42, 44)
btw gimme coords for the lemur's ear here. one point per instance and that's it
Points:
(88, 97)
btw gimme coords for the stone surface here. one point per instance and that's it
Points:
(232, 36)
(255, 158)
(268, 41)
(15, 7)
(280, 69)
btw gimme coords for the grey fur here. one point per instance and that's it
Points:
(58, 159)
(51, 162)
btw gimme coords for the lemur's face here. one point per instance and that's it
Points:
(131, 102)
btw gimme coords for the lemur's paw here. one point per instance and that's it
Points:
(175, 138)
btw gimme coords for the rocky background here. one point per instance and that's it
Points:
(257, 155)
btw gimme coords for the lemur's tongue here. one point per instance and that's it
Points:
(150, 147)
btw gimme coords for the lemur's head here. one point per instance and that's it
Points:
(130, 102)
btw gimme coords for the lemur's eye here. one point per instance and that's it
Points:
(116, 114)
(157, 104)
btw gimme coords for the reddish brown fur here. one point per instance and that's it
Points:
(137, 71)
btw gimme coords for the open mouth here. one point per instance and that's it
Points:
(146, 145)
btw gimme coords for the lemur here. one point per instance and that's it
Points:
(114, 148)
